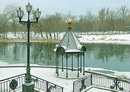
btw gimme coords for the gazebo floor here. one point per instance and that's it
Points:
(71, 74)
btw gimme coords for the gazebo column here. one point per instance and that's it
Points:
(62, 62)
(57, 65)
(83, 64)
(78, 65)
(66, 65)
(72, 62)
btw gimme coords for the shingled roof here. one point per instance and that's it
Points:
(69, 44)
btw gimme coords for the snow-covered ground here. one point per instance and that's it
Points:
(115, 39)
(97, 90)
(49, 75)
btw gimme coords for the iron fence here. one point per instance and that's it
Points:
(14, 84)
(81, 84)
(111, 82)
(46, 86)
(104, 81)
(5, 83)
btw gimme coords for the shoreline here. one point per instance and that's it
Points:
(122, 39)
(57, 41)
(31, 40)
(107, 42)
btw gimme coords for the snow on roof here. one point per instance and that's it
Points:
(72, 51)
(70, 42)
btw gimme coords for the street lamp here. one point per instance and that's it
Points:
(28, 86)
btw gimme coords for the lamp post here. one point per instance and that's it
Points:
(28, 86)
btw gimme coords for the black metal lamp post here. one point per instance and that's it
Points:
(20, 14)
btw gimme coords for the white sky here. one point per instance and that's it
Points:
(76, 7)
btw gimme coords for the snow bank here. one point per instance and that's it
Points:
(118, 39)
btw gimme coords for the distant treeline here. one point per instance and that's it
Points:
(106, 20)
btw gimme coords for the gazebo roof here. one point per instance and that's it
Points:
(69, 44)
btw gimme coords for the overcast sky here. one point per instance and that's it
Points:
(76, 7)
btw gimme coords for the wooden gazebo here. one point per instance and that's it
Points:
(70, 53)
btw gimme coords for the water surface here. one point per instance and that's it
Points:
(108, 56)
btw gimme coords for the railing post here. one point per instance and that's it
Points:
(46, 86)
(0, 86)
(73, 86)
(62, 89)
(91, 79)
(116, 83)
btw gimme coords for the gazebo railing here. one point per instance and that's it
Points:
(40, 84)
(103, 81)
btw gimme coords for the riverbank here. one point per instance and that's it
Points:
(31, 40)
(105, 38)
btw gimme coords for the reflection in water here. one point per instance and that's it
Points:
(109, 56)
(41, 53)
(106, 51)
